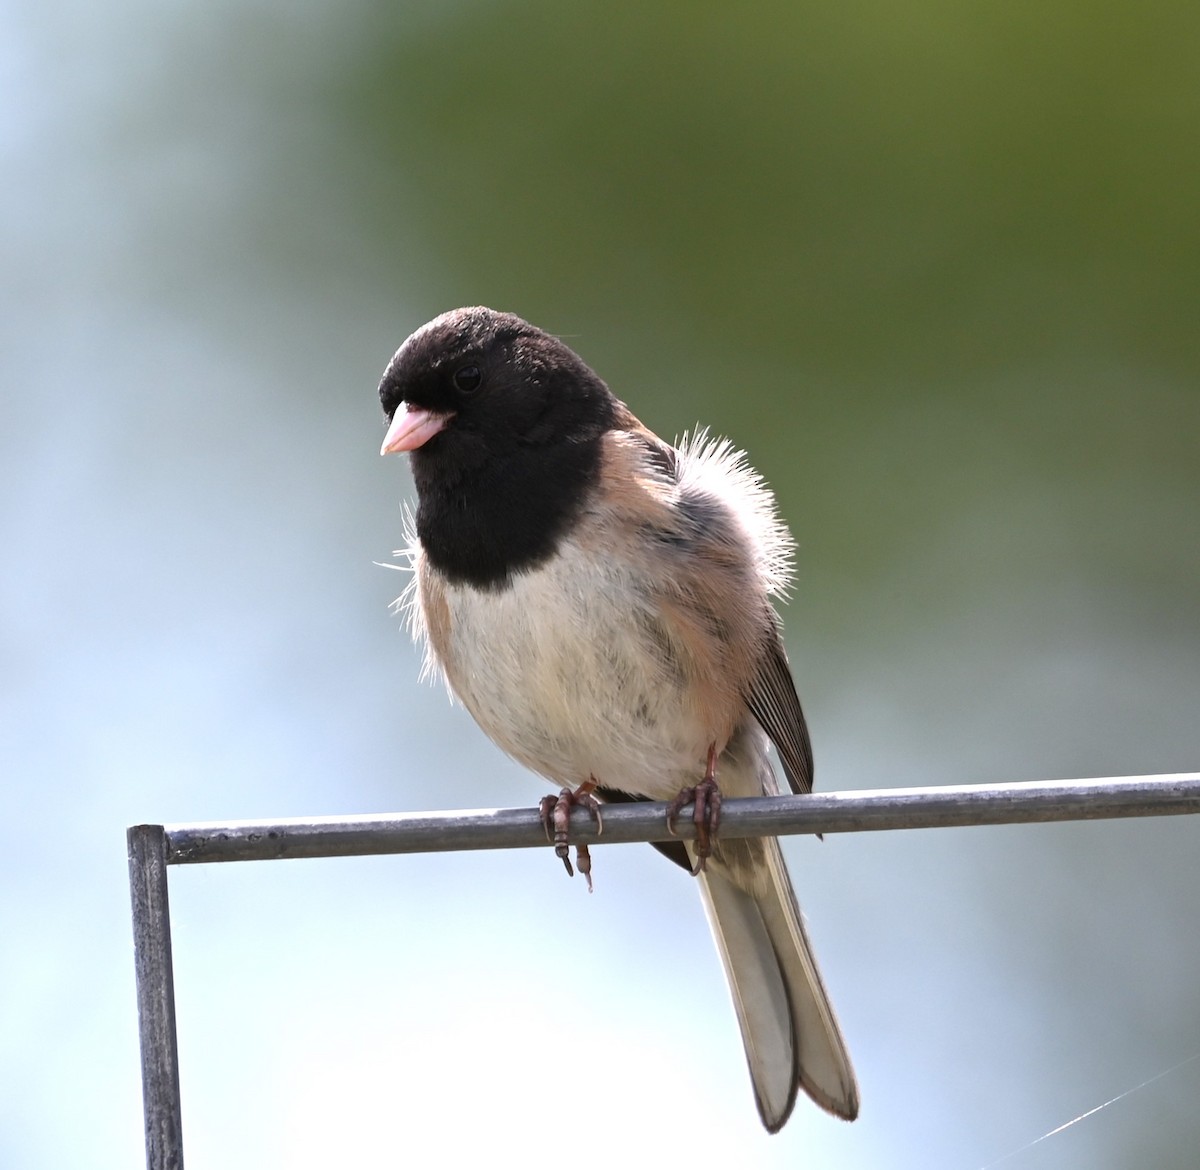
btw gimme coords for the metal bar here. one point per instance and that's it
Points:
(834, 812)
(155, 996)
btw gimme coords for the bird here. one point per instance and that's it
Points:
(600, 601)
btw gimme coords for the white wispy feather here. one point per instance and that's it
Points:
(408, 604)
(715, 466)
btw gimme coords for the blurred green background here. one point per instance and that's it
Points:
(935, 266)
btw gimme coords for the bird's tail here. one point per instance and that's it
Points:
(791, 1035)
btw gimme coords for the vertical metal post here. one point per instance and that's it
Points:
(155, 996)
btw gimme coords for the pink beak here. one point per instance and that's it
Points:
(411, 427)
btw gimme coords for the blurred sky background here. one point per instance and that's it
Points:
(934, 265)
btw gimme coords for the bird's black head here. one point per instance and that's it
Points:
(504, 425)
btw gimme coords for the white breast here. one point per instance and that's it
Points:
(564, 671)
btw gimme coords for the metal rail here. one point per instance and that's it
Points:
(152, 848)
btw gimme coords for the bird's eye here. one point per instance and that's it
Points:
(468, 379)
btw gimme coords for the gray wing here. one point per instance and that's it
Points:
(773, 702)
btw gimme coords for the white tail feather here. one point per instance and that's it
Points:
(791, 1035)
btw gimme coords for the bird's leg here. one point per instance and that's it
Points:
(555, 812)
(707, 814)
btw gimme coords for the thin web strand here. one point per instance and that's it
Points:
(1083, 1116)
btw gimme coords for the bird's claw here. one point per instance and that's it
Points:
(555, 813)
(706, 816)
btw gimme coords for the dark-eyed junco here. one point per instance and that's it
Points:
(600, 602)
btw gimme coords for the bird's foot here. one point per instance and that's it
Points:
(707, 813)
(555, 812)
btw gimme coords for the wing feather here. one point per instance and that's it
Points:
(774, 703)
